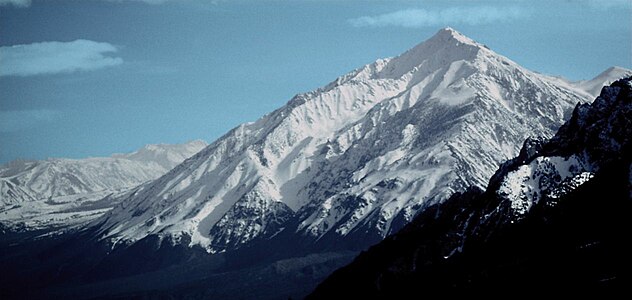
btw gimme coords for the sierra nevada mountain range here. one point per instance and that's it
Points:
(274, 206)
(356, 159)
(59, 192)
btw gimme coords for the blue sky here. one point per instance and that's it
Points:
(95, 77)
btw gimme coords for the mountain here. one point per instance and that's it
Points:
(37, 194)
(349, 163)
(552, 219)
(272, 207)
(608, 76)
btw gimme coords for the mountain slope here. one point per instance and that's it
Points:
(357, 158)
(606, 77)
(552, 218)
(52, 191)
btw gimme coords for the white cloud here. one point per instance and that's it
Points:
(17, 3)
(152, 1)
(56, 57)
(415, 18)
(146, 1)
(27, 3)
(17, 120)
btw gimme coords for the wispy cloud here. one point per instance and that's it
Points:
(27, 3)
(17, 120)
(56, 57)
(204, 2)
(146, 1)
(416, 18)
(17, 3)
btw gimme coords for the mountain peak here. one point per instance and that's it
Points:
(610, 75)
(31, 181)
(448, 34)
(614, 71)
(362, 154)
(443, 48)
(198, 143)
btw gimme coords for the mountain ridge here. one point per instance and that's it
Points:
(48, 192)
(300, 191)
(323, 160)
(553, 229)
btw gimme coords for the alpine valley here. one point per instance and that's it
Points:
(272, 207)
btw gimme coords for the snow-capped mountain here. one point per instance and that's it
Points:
(56, 191)
(553, 218)
(359, 157)
(607, 77)
(36, 180)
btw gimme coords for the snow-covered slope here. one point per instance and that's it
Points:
(358, 157)
(607, 77)
(595, 135)
(554, 218)
(56, 191)
(22, 181)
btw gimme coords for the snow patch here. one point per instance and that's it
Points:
(544, 177)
